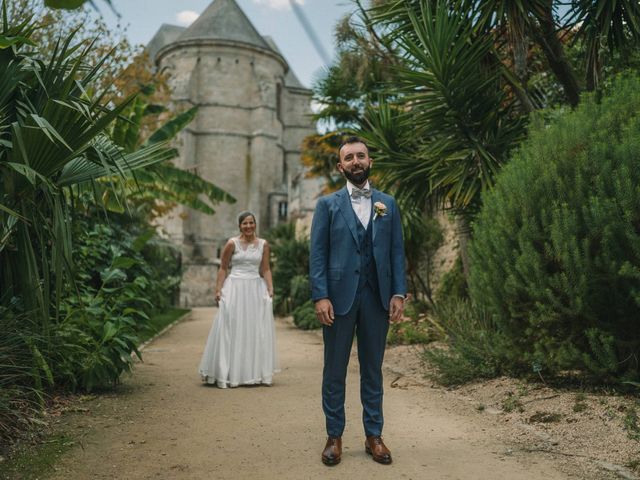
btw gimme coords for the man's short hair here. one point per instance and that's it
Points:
(352, 139)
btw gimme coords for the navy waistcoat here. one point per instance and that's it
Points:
(368, 273)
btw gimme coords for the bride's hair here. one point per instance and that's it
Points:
(244, 215)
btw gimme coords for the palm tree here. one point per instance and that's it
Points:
(53, 138)
(161, 186)
(454, 123)
(464, 98)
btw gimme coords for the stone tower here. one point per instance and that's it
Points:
(253, 115)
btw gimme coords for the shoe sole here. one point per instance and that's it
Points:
(379, 460)
(330, 463)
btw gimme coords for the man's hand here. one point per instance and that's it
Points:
(396, 307)
(324, 311)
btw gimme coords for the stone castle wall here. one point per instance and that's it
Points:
(245, 139)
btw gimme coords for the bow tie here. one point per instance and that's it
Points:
(360, 192)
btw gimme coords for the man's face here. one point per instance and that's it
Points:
(355, 163)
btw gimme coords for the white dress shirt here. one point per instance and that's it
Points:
(361, 205)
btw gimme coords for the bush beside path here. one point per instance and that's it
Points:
(163, 423)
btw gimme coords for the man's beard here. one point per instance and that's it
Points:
(357, 178)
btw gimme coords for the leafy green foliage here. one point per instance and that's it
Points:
(20, 375)
(300, 289)
(68, 4)
(556, 247)
(160, 187)
(442, 89)
(52, 138)
(123, 276)
(409, 333)
(160, 319)
(290, 268)
(304, 316)
(304, 313)
(76, 292)
(474, 346)
(453, 285)
(632, 423)
(423, 236)
(453, 105)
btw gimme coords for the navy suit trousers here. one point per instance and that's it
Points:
(368, 320)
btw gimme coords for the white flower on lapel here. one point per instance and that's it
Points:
(379, 209)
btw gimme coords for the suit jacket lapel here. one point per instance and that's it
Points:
(344, 203)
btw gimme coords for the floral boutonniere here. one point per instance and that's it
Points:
(379, 210)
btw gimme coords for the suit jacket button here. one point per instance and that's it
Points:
(357, 271)
(358, 251)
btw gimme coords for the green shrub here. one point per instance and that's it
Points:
(290, 260)
(556, 250)
(23, 375)
(121, 272)
(300, 289)
(409, 333)
(475, 348)
(304, 316)
(453, 285)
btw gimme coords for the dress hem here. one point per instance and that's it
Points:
(226, 384)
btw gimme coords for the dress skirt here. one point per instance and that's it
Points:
(240, 349)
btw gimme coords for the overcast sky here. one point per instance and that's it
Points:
(270, 17)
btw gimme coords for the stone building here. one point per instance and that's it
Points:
(253, 115)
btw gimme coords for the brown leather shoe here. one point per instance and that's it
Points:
(375, 447)
(332, 451)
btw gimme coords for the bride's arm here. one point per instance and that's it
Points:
(265, 268)
(223, 271)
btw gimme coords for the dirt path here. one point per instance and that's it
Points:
(164, 424)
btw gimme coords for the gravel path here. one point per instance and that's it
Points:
(162, 423)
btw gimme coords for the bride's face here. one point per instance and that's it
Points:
(248, 226)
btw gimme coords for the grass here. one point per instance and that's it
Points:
(35, 461)
(545, 417)
(409, 333)
(580, 402)
(160, 320)
(634, 464)
(512, 403)
(632, 423)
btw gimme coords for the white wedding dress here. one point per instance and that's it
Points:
(241, 347)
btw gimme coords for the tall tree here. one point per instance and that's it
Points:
(53, 137)
(465, 76)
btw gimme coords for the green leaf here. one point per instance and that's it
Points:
(123, 262)
(111, 275)
(6, 42)
(13, 213)
(47, 129)
(172, 127)
(29, 173)
(65, 4)
(142, 240)
(109, 331)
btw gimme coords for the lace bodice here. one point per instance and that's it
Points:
(245, 262)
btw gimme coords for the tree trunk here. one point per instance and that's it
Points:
(594, 67)
(548, 40)
(463, 232)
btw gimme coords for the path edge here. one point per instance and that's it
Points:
(146, 343)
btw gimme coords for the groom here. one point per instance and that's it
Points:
(357, 285)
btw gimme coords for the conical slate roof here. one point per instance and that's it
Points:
(224, 20)
(164, 36)
(290, 79)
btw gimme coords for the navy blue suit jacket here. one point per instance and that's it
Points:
(334, 258)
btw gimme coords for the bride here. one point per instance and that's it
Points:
(240, 349)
